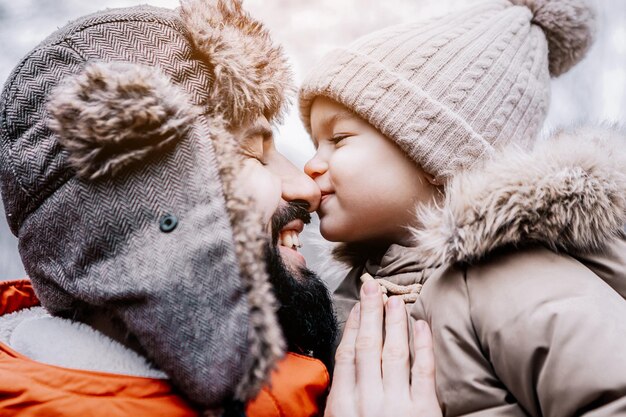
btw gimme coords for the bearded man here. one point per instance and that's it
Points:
(158, 223)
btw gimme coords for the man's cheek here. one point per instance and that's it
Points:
(264, 188)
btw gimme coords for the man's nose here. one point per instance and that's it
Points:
(299, 187)
(315, 167)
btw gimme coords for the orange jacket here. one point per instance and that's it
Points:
(29, 388)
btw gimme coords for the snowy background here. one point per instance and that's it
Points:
(595, 90)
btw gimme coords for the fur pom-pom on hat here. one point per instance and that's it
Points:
(252, 75)
(114, 114)
(569, 26)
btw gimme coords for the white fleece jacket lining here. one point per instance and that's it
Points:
(55, 341)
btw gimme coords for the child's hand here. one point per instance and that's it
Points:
(375, 379)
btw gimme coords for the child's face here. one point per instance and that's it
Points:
(370, 188)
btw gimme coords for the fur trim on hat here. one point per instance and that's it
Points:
(112, 115)
(569, 26)
(252, 75)
(569, 194)
(267, 345)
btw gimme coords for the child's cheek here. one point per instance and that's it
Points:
(347, 168)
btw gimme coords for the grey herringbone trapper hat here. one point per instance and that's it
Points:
(111, 181)
(451, 90)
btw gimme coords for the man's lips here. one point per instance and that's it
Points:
(289, 242)
(295, 225)
(289, 234)
(292, 256)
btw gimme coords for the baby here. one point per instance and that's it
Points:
(432, 180)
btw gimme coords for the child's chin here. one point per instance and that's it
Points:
(333, 234)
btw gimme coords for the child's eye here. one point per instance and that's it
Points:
(338, 138)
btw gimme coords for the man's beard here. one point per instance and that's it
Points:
(305, 312)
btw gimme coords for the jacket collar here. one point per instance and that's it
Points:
(397, 265)
(568, 193)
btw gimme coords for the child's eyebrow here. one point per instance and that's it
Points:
(337, 117)
(328, 122)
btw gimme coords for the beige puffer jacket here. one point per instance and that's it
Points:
(524, 279)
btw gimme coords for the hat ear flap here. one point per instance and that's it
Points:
(252, 76)
(114, 114)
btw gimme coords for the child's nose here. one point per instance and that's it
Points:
(315, 167)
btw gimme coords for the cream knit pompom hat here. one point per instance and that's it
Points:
(451, 90)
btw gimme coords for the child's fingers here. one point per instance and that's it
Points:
(342, 398)
(423, 372)
(344, 376)
(369, 341)
(396, 367)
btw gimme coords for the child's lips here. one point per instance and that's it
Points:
(321, 210)
(325, 197)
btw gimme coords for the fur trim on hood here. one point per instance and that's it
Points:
(252, 74)
(569, 194)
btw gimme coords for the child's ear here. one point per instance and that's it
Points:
(438, 185)
(432, 180)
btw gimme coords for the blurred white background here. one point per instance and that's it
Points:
(595, 90)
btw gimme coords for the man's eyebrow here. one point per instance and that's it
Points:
(260, 130)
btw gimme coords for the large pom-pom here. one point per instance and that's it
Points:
(114, 114)
(569, 26)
